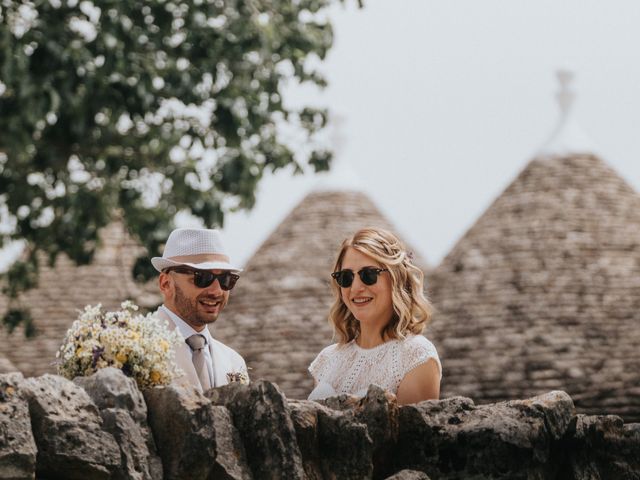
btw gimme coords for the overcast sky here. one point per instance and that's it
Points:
(444, 103)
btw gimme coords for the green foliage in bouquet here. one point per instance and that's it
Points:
(139, 345)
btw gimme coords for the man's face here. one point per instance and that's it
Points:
(196, 306)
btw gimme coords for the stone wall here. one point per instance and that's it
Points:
(103, 427)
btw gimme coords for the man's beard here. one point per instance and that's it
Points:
(188, 309)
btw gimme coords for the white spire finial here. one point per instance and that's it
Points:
(568, 138)
(565, 95)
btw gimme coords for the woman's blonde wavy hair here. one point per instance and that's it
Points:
(411, 309)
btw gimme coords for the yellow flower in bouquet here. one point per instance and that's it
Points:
(138, 345)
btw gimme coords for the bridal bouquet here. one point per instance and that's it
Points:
(138, 345)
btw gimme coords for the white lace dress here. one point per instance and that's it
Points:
(351, 369)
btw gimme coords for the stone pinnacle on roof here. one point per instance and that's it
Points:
(568, 138)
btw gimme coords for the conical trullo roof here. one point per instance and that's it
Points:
(67, 288)
(277, 315)
(543, 292)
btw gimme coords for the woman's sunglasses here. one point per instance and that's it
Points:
(204, 278)
(368, 275)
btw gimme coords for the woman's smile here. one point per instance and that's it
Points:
(360, 301)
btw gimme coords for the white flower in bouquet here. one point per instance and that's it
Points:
(238, 377)
(138, 345)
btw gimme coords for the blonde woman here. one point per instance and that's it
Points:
(378, 316)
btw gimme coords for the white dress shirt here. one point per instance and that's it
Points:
(186, 331)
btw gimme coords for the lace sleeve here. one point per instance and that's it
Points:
(319, 366)
(418, 350)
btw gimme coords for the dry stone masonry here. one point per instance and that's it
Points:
(103, 427)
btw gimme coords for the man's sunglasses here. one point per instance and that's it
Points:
(368, 275)
(204, 278)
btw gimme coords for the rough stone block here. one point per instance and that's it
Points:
(454, 439)
(262, 416)
(378, 412)
(231, 460)
(110, 388)
(602, 447)
(333, 443)
(556, 408)
(124, 412)
(68, 431)
(136, 461)
(304, 414)
(409, 475)
(344, 445)
(17, 445)
(182, 424)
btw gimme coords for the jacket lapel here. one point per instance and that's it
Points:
(221, 364)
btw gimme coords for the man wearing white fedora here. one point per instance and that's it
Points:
(196, 276)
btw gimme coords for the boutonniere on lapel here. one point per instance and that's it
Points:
(240, 376)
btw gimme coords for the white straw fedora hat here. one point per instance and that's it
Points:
(194, 247)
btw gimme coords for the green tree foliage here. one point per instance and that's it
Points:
(143, 108)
